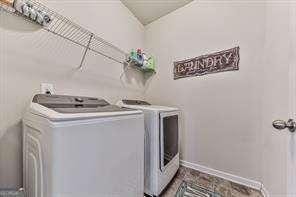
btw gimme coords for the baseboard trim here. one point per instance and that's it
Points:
(230, 177)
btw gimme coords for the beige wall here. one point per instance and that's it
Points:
(30, 56)
(221, 112)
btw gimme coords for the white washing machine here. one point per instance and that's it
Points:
(162, 144)
(82, 147)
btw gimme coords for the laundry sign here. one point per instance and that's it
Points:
(226, 60)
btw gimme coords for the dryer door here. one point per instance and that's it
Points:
(169, 137)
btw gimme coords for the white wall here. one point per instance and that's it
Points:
(279, 61)
(227, 116)
(30, 56)
(221, 112)
(224, 114)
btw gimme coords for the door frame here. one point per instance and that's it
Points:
(291, 142)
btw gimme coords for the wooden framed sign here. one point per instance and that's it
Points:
(222, 61)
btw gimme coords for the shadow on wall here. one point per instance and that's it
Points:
(138, 76)
(11, 143)
(12, 22)
(11, 138)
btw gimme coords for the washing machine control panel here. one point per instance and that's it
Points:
(68, 101)
(135, 102)
(75, 104)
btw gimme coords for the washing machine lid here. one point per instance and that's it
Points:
(144, 105)
(68, 107)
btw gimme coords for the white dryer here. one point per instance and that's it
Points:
(162, 144)
(81, 146)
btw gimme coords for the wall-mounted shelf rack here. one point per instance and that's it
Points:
(69, 30)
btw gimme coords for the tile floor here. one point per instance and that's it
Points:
(223, 187)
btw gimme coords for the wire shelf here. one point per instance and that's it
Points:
(69, 30)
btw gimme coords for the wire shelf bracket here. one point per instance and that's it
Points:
(85, 51)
